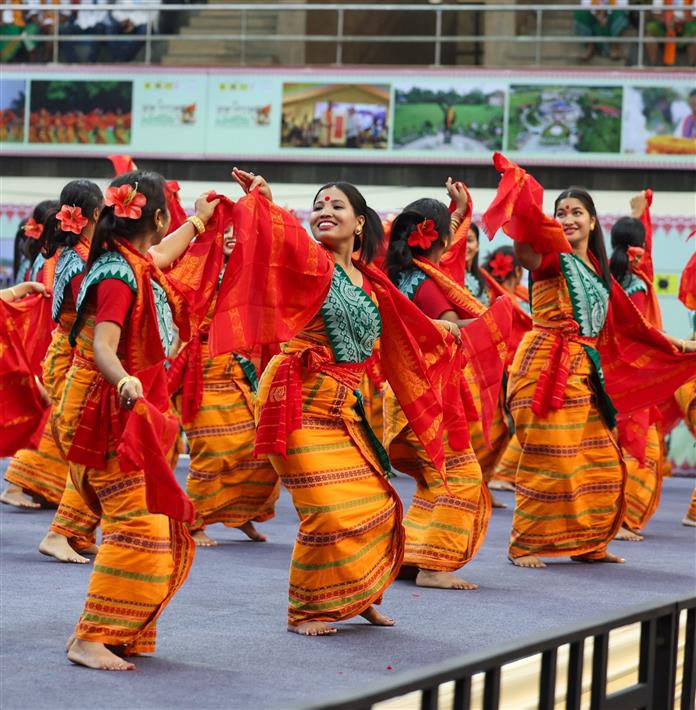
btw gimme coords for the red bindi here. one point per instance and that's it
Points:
(327, 199)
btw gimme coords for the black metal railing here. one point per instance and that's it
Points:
(656, 688)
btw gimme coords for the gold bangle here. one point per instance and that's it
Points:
(123, 381)
(14, 295)
(682, 345)
(197, 223)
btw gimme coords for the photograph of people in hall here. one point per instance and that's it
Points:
(12, 105)
(82, 112)
(335, 116)
(466, 117)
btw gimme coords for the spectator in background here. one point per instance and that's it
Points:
(14, 25)
(352, 129)
(600, 19)
(85, 22)
(132, 23)
(667, 23)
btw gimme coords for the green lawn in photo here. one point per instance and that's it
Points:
(414, 120)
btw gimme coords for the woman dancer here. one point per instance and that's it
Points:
(280, 285)
(122, 322)
(447, 520)
(641, 441)
(462, 263)
(571, 476)
(226, 483)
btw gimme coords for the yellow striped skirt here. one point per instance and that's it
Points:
(644, 483)
(349, 545)
(445, 525)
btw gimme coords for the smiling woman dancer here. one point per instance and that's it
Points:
(317, 298)
(571, 477)
(122, 321)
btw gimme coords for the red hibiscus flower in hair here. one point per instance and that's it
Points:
(126, 200)
(33, 229)
(501, 265)
(423, 235)
(635, 255)
(71, 219)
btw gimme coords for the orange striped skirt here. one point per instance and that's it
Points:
(506, 468)
(488, 456)
(143, 558)
(445, 525)
(644, 483)
(350, 543)
(42, 472)
(569, 490)
(226, 483)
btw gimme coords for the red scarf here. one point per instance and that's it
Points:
(24, 337)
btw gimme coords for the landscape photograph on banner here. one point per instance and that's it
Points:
(13, 98)
(564, 119)
(660, 119)
(437, 116)
(81, 112)
(335, 116)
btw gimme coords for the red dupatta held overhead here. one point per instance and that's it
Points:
(454, 260)
(277, 279)
(641, 367)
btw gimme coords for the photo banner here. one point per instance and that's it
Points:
(573, 118)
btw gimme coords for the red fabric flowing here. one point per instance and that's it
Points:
(454, 260)
(687, 284)
(416, 360)
(641, 367)
(23, 413)
(521, 320)
(275, 282)
(195, 276)
(122, 164)
(177, 214)
(518, 210)
(145, 442)
(185, 374)
(646, 270)
(30, 318)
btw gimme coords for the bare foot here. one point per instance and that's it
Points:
(689, 521)
(531, 561)
(96, 655)
(376, 618)
(14, 495)
(442, 580)
(500, 486)
(202, 540)
(628, 535)
(91, 550)
(69, 642)
(55, 545)
(608, 557)
(251, 532)
(495, 502)
(312, 628)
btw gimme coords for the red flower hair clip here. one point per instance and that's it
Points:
(126, 201)
(502, 265)
(635, 255)
(71, 219)
(33, 229)
(423, 235)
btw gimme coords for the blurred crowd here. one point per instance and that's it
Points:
(610, 19)
(22, 30)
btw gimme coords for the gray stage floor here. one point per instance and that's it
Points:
(222, 641)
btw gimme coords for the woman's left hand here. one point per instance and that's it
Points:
(451, 328)
(458, 195)
(205, 209)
